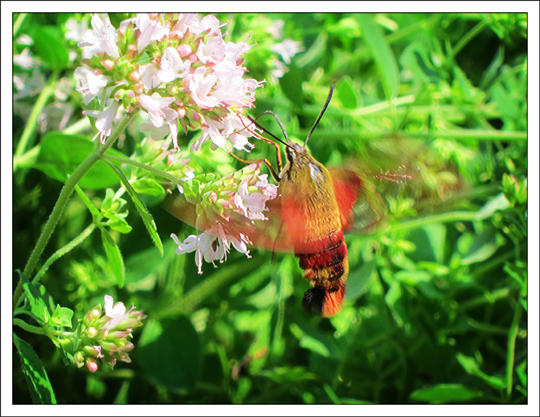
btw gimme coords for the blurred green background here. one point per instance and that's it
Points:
(436, 309)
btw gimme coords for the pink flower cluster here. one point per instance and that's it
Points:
(177, 68)
(244, 192)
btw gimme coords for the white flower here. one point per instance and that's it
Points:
(150, 30)
(200, 87)
(172, 66)
(24, 59)
(28, 85)
(160, 115)
(184, 21)
(253, 204)
(76, 30)
(287, 49)
(149, 76)
(208, 25)
(117, 313)
(104, 120)
(212, 245)
(101, 39)
(211, 51)
(90, 85)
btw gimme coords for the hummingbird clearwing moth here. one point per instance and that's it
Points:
(314, 207)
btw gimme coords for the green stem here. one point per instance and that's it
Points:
(62, 251)
(464, 134)
(32, 124)
(26, 160)
(510, 351)
(455, 216)
(65, 194)
(77, 127)
(191, 299)
(156, 171)
(467, 38)
(18, 23)
(29, 328)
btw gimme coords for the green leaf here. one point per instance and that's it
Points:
(114, 256)
(141, 208)
(88, 203)
(291, 85)
(36, 377)
(51, 48)
(311, 339)
(416, 59)
(471, 367)
(169, 352)
(346, 93)
(359, 279)
(445, 393)
(61, 154)
(149, 187)
(61, 317)
(38, 301)
(500, 202)
(483, 247)
(383, 55)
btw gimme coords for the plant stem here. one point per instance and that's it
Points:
(467, 38)
(194, 297)
(510, 351)
(29, 328)
(455, 216)
(32, 124)
(65, 194)
(18, 23)
(62, 251)
(156, 171)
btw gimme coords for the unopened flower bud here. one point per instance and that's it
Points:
(92, 332)
(134, 76)
(184, 50)
(108, 64)
(92, 365)
(193, 58)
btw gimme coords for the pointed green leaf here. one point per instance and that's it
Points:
(35, 374)
(383, 55)
(38, 301)
(50, 47)
(114, 256)
(141, 208)
(149, 187)
(445, 393)
(61, 154)
(62, 317)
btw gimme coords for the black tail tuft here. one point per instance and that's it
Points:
(314, 300)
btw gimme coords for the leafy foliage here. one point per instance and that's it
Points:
(436, 308)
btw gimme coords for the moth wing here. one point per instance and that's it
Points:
(266, 234)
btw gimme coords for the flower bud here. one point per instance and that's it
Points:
(108, 64)
(184, 50)
(92, 365)
(134, 76)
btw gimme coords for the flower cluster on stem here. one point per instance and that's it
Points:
(102, 335)
(175, 67)
(243, 193)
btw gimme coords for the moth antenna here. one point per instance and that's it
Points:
(288, 143)
(322, 112)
